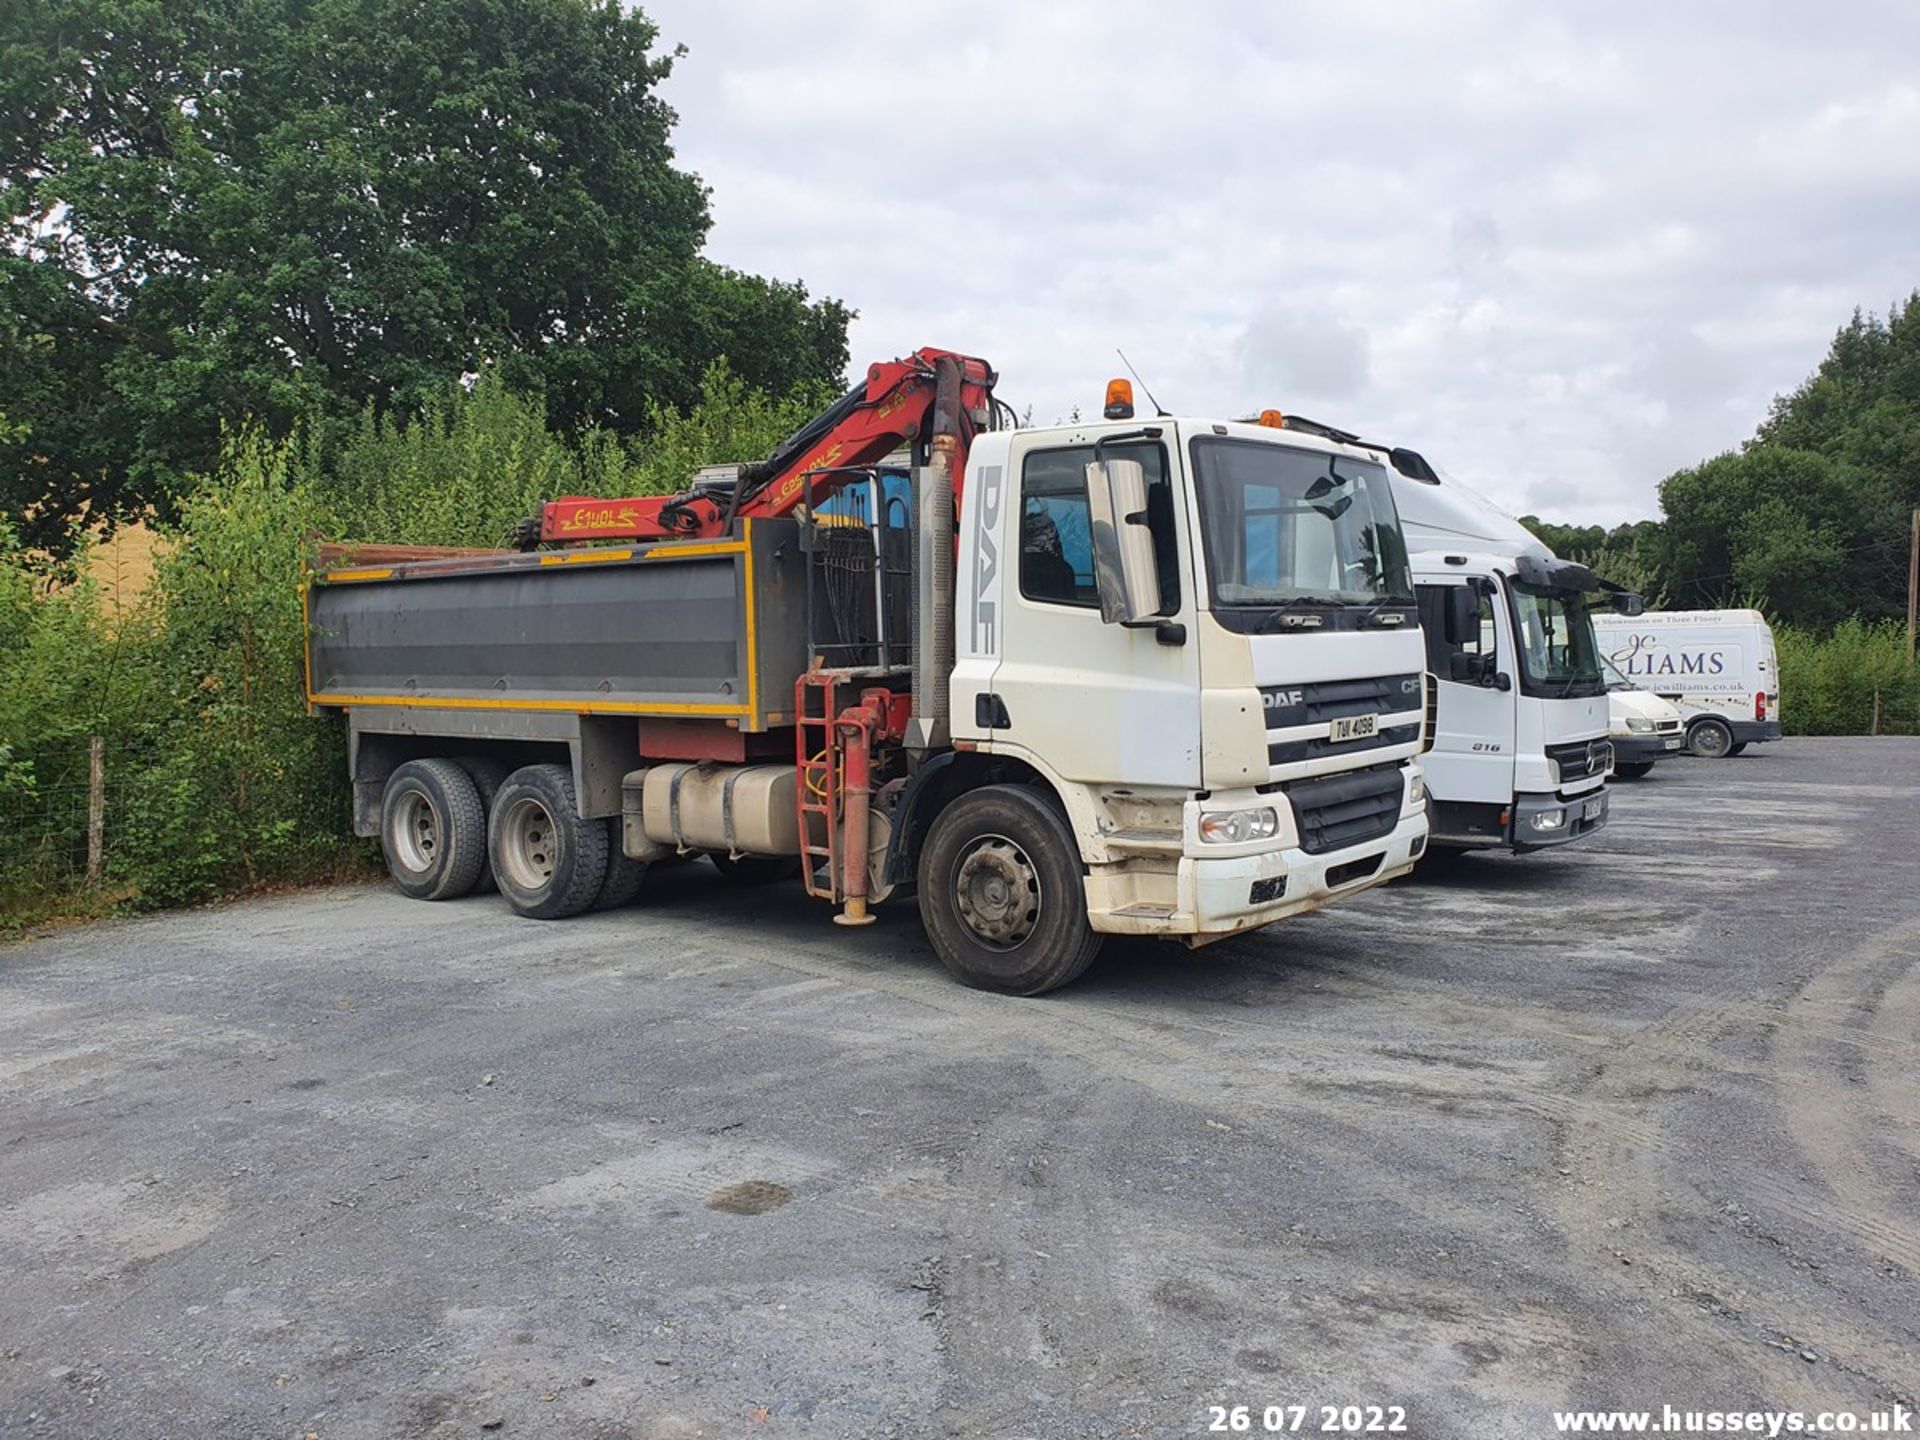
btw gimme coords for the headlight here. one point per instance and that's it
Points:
(1237, 827)
(1548, 820)
(1639, 727)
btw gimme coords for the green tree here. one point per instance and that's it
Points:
(221, 211)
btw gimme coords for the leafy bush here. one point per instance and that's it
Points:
(1828, 683)
(233, 783)
(218, 778)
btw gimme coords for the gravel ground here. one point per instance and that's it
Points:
(1630, 1124)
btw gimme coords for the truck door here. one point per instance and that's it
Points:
(1472, 760)
(1099, 703)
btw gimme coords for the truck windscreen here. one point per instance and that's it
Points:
(1286, 526)
(1559, 655)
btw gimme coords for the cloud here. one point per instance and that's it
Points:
(1562, 250)
(1288, 353)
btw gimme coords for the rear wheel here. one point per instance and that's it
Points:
(1001, 894)
(755, 869)
(548, 860)
(488, 775)
(624, 875)
(433, 829)
(1633, 769)
(1710, 739)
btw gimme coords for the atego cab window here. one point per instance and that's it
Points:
(1056, 537)
(1554, 635)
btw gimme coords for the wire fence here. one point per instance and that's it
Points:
(60, 823)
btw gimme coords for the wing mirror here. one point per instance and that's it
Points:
(1123, 565)
(1625, 602)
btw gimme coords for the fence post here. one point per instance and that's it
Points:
(1875, 729)
(96, 807)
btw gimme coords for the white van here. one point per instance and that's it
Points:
(1643, 727)
(1718, 666)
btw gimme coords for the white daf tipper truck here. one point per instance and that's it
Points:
(1521, 752)
(1151, 678)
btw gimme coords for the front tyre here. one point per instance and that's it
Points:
(433, 830)
(1001, 893)
(548, 860)
(1710, 740)
(1633, 769)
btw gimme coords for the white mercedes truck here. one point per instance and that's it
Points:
(1520, 754)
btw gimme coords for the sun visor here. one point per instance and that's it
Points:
(1550, 573)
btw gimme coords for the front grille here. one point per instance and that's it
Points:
(1667, 727)
(1582, 758)
(1341, 810)
(1290, 705)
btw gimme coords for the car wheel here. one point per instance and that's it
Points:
(1710, 739)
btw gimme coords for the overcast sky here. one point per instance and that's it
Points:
(1563, 249)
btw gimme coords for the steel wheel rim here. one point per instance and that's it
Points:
(529, 841)
(1712, 742)
(413, 833)
(996, 889)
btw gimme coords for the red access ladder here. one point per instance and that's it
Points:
(820, 795)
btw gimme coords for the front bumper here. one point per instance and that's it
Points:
(1579, 816)
(1748, 731)
(1638, 749)
(1229, 896)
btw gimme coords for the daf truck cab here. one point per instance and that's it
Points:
(1521, 754)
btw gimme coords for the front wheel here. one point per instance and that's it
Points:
(1710, 740)
(1633, 769)
(1001, 894)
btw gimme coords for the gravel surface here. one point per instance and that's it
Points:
(1633, 1123)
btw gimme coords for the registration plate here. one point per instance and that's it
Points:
(1355, 727)
(1591, 810)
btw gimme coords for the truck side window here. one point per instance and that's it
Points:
(1056, 538)
(1433, 624)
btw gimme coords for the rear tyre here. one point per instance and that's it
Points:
(1001, 894)
(1737, 747)
(755, 869)
(1633, 769)
(1710, 739)
(624, 876)
(488, 775)
(433, 830)
(548, 860)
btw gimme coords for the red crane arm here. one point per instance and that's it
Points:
(900, 401)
